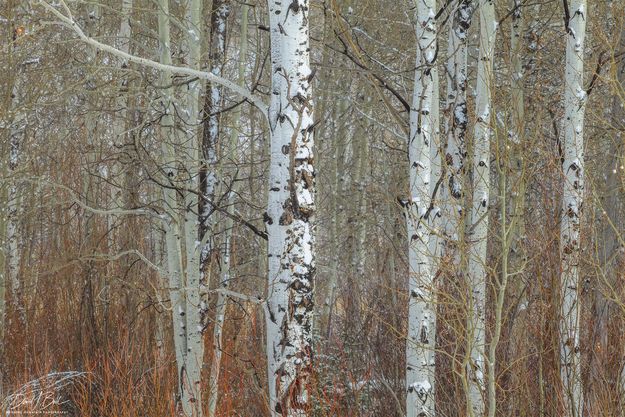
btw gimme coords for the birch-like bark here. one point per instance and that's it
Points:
(420, 343)
(453, 186)
(13, 206)
(190, 120)
(220, 308)
(16, 126)
(480, 210)
(213, 101)
(172, 226)
(573, 189)
(516, 133)
(360, 235)
(290, 212)
(14, 199)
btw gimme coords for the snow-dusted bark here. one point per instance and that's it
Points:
(290, 211)
(480, 210)
(421, 338)
(573, 189)
(452, 187)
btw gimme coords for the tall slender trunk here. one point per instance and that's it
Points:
(173, 233)
(614, 238)
(454, 197)
(190, 124)
(89, 184)
(480, 210)
(420, 343)
(457, 122)
(573, 188)
(14, 202)
(290, 212)
(516, 134)
(453, 186)
(13, 208)
(210, 138)
(16, 127)
(224, 282)
(516, 182)
(343, 133)
(120, 195)
(360, 235)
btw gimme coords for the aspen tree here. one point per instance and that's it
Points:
(573, 189)
(454, 186)
(218, 29)
(16, 122)
(214, 97)
(421, 338)
(290, 211)
(120, 127)
(457, 123)
(614, 237)
(515, 179)
(190, 123)
(173, 232)
(480, 210)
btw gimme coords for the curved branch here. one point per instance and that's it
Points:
(68, 21)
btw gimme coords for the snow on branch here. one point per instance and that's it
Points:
(66, 19)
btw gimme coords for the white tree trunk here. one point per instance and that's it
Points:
(573, 188)
(290, 212)
(214, 97)
(190, 123)
(121, 102)
(453, 193)
(480, 210)
(218, 28)
(16, 126)
(173, 235)
(421, 338)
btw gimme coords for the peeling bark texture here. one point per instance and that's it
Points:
(290, 211)
(573, 190)
(480, 210)
(420, 343)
